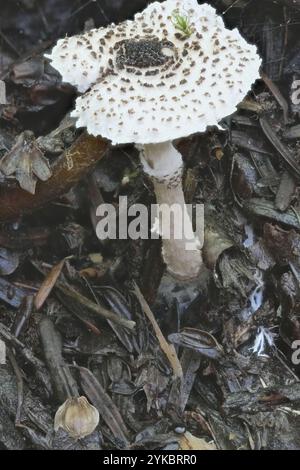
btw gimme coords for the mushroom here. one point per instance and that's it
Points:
(171, 72)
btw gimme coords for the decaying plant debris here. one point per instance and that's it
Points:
(166, 366)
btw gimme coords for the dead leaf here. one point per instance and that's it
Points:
(190, 442)
(48, 284)
(26, 162)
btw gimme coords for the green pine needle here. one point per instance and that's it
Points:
(182, 23)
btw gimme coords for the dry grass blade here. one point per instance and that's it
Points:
(48, 284)
(106, 407)
(167, 348)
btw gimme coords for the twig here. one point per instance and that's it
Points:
(93, 307)
(25, 314)
(9, 43)
(167, 348)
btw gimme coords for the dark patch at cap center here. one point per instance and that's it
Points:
(144, 53)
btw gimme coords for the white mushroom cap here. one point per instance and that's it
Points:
(151, 83)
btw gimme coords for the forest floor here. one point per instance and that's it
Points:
(216, 365)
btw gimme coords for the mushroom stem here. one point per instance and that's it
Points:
(181, 252)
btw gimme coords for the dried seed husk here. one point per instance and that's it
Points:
(77, 417)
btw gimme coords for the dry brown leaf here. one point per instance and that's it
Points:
(190, 442)
(167, 348)
(48, 284)
(26, 162)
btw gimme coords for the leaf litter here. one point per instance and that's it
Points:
(166, 365)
